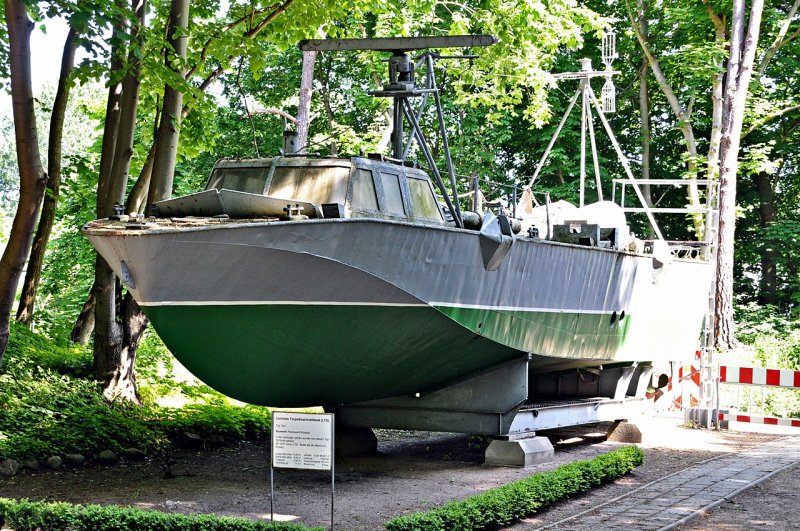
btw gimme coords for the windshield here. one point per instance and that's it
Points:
(315, 184)
(249, 180)
(422, 200)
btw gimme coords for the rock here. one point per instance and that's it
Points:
(134, 454)
(191, 441)
(624, 432)
(74, 459)
(53, 462)
(9, 467)
(31, 464)
(107, 457)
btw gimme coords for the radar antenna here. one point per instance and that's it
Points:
(608, 53)
(402, 85)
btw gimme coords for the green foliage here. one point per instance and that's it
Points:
(506, 504)
(774, 340)
(252, 422)
(28, 349)
(774, 336)
(25, 515)
(49, 407)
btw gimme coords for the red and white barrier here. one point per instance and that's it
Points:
(756, 419)
(759, 376)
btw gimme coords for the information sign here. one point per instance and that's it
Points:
(302, 440)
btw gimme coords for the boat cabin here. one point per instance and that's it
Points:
(308, 187)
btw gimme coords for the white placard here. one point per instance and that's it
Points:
(302, 440)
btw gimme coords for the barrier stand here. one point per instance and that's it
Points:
(758, 377)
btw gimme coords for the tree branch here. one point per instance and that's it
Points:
(217, 72)
(780, 38)
(226, 28)
(768, 118)
(666, 88)
(277, 112)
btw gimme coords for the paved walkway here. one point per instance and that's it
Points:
(675, 499)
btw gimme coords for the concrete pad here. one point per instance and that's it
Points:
(519, 453)
(352, 441)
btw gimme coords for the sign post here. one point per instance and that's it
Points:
(304, 441)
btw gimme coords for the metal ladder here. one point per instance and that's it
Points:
(709, 366)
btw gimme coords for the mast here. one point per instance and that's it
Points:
(402, 86)
(608, 105)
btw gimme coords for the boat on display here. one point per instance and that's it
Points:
(298, 280)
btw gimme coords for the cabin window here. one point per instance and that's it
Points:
(364, 190)
(249, 180)
(423, 202)
(315, 184)
(394, 197)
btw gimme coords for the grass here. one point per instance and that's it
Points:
(49, 405)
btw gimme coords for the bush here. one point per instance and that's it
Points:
(24, 515)
(503, 505)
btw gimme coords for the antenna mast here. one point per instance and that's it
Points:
(402, 85)
(584, 75)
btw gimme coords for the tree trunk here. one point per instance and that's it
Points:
(326, 102)
(116, 336)
(137, 198)
(169, 131)
(32, 177)
(34, 273)
(740, 67)
(84, 324)
(767, 289)
(117, 367)
(644, 107)
(304, 106)
(717, 100)
(682, 116)
(111, 122)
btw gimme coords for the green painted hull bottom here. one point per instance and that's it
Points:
(288, 355)
(303, 355)
(571, 335)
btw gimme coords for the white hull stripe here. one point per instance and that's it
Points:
(516, 308)
(282, 303)
(392, 304)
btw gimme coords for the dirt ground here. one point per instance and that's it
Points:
(412, 471)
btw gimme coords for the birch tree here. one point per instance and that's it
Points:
(745, 31)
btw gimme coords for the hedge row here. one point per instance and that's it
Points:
(503, 505)
(24, 515)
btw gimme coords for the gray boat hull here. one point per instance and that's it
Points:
(334, 311)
